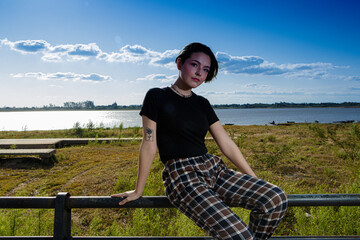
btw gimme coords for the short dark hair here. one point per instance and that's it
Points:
(191, 48)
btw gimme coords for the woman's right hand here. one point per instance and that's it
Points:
(129, 196)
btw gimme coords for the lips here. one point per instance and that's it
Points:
(196, 79)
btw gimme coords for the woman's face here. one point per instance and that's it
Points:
(194, 70)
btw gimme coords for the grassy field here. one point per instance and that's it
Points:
(300, 158)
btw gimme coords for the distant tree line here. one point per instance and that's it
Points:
(85, 105)
(79, 105)
(89, 105)
(286, 105)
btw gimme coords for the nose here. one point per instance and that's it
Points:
(198, 72)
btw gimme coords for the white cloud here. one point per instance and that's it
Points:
(139, 54)
(158, 77)
(351, 78)
(69, 52)
(256, 86)
(27, 46)
(267, 93)
(128, 53)
(93, 77)
(254, 65)
(231, 64)
(166, 58)
(251, 85)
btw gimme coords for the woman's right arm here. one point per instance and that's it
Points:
(147, 153)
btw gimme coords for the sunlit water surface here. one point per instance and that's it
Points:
(52, 120)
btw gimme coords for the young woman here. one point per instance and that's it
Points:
(176, 120)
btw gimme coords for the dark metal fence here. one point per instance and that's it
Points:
(63, 203)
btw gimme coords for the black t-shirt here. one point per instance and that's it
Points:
(182, 123)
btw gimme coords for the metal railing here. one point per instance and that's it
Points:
(63, 203)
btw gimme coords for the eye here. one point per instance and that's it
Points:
(193, 64)
(207, 70)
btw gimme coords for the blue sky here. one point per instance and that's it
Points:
(106, 51)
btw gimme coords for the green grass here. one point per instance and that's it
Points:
(301, 158)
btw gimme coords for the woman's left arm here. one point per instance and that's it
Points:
(229, 148)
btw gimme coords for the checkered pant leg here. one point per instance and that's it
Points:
(266, 201)
(199, 186)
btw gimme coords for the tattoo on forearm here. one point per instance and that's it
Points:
(149, 134)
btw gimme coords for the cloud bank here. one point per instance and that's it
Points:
(82, 52)
(93, 77)
(249, 65)
(255, 65)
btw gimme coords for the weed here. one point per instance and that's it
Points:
(349, 143)
(270, 154)
(232, 133)
(271, 138)
(121, 127)
(318, 130)
(136, 131)
(78, 130)
(241, 140)
(90, 125)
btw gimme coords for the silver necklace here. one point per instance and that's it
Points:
(179, 93)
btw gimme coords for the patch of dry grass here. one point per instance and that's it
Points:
(301, 158)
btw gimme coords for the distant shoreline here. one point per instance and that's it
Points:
(215, 106)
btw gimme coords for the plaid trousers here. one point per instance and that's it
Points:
(199, 186)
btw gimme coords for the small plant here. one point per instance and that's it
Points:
(232, 133)
(136, 131)
(90, 125)
(271, 138)
(121, 127)
(240, 140)
(270, 154)
(320, 132)
(350, 143)
(13, 223)
(78, 130)
(212, 149)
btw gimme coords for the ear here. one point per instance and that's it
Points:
(178, 63)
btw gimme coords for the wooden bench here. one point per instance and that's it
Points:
(44, 154)
(29, 143)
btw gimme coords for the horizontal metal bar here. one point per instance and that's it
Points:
(295, 200)
(27, 202)
(162, 201)
(315, 237)
(183, 238)
(27, 237)
(108, 202)
(141, 238)
(210, 238)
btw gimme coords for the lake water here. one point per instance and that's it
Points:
(52, 120)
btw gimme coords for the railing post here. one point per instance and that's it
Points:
(62, 219)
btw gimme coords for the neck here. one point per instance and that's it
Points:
(180, 92)
(181, 88)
